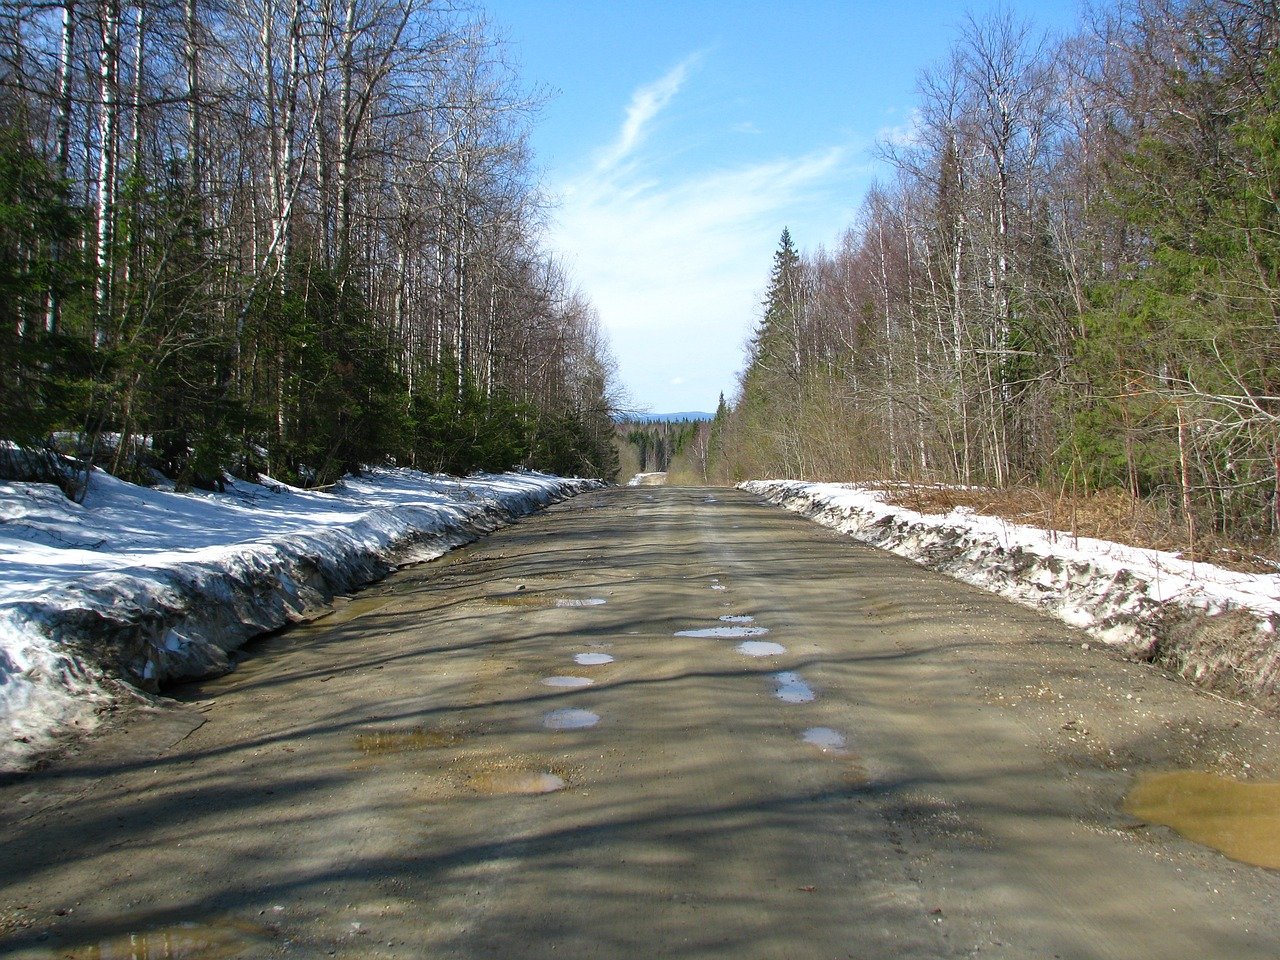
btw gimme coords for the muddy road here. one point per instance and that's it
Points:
(650, 722)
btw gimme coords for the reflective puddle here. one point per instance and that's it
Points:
(588, 602)
(760, 648)
(1236, 818)
(569, 719)
(516, 782)
(184, 941)
(825, 739)
(567, 682)
(718, 586)
(724, 632)
(591, 659)
(378, 743)
(737, 618)
(792, 689)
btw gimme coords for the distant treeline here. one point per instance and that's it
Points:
(678, 447)
(292, 237)
(1072, 279)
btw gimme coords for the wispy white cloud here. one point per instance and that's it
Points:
(646, 103)
(675, 257)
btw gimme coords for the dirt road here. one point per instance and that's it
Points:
(900, 766)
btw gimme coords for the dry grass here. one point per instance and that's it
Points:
(1109, 515)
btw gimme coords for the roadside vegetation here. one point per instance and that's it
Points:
(1068, 291)
(677, 448)
(283, 237)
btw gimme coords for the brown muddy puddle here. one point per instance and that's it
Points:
(516, 782)
(382, 743)
(542, 600)
(183, 941)
(1239, 819)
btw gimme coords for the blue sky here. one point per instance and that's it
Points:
(681, 137)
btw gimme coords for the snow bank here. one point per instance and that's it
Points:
(138, 586)
(1214, 626)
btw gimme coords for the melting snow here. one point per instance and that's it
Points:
(1120, 594)
(181, 579)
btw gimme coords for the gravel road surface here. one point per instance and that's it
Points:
(650, 722)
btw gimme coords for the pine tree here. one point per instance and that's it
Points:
(779, 337)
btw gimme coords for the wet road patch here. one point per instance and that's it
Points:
(569, 718)
(379, 743)
(724, 633)
(760, 648)
(826, 739)
(567, 682)
(516, 782)
(1236, 818)
(183, 941)
(791, 688)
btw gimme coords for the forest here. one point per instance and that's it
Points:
(282, 236)
(678, 447)
(1070, 281)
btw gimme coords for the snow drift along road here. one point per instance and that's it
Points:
(1214, 626)
(138, 586)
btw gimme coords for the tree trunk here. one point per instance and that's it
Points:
(108, 117)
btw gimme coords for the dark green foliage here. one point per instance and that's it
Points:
(657, 444)
(1193, 327)
(347, 402)
(45, 374)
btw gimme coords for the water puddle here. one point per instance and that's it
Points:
(346, 611)
(525, 782)
(522, 599)
(737, 618)
(724, 632)
(381, 743)
(760, 648)
(588, 602)
(825, 739)
(792, 689)
(567, 682)
(1236, 818)
(591, 659)
(184, 941)
(718, 586)
(569, 718)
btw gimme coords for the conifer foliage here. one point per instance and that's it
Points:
(288, 236)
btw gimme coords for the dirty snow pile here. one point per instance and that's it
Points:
(1213, 625)
(146, 585)
(648, 479)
